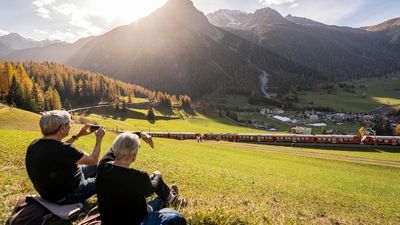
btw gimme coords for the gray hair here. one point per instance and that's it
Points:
(125, 145)
(51, 121)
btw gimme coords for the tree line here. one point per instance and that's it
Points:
(46, 86)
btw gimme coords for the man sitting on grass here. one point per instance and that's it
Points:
(122, 191)
(52, 165)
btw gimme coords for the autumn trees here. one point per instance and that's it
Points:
(18, 89)
(47, 86)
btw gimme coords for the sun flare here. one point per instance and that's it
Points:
(125, 11)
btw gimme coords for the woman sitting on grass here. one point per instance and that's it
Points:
(122, 191)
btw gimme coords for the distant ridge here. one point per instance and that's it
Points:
(335, 52)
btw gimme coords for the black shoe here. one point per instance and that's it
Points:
(174, 190)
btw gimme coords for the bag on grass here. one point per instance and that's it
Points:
(28, 212)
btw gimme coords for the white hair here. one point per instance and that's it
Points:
(51, 121)
(125, 145)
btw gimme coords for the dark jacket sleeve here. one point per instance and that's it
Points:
(147, 183)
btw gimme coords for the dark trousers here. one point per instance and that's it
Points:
(86, 188)
(162, 191)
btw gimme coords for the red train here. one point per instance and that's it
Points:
(284, 138)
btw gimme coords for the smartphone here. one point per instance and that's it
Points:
(93, 128)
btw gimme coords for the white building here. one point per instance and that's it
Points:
(283, 119)
(265, 111)
(314, 118)
(301, 130)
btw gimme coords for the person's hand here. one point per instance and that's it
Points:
(85, 130)
(100, 133)
(147, 138)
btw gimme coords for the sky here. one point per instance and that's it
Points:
(69, 20)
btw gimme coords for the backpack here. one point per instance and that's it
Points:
(29, 212)
(92, 218)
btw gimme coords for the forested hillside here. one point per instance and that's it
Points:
(47, 86)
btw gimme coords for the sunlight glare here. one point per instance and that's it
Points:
(125, 11)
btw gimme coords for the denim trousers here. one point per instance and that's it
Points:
(158, 215)
(86, 188)
(166, 216)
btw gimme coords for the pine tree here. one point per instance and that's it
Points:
(15, 94)
(150, 113)
(130, 98)
(24, 80)
(116, 105)
(5, 80)
(56, 100)
(52, 100)
(37, 96)
(124, 108)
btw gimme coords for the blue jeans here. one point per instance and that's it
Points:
(158, 215)
(163, 217)
(86, 188)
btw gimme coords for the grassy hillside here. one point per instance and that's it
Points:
(369, 94)
(13, 118)
(236, 184)
(135, 119)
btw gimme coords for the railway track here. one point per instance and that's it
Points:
(268, 147)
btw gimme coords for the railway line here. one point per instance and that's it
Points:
(299, 152)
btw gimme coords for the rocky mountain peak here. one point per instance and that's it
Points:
(268, 15)
(185, 13)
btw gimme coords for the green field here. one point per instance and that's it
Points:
(229, 184)
(369, 94)
(135, 119)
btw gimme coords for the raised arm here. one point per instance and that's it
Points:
(85, 130)
(93, 158)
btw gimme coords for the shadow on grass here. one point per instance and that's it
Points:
(190, 111)
(119, 114)
(165, 110)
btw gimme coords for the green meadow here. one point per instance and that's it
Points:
(369, 94)
(135, 119)
(231, 184)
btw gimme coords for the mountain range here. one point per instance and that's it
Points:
(180, 50)
(335, 52)
(14, 42)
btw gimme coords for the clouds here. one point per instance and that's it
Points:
(70, 20)
(42, 7)
(90, 17)
(73, 16)
(276, 2)
(3, 32)
(287, 3)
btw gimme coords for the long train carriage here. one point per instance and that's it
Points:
(184, 136)
(323, 139)
(265, 138)
(254, 137)
(159, 134)
(247, 137)
(381, 140)
(345, 139)
(220, 137)
(305, 138)
(286, 138)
